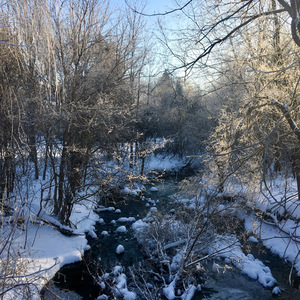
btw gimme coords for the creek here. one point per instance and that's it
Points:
(75, 281)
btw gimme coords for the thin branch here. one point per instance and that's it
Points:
(225, 19)
(31, 274)
(14, 45)
(208, 50)
(288, 117)
(159, 14)
(276, 71)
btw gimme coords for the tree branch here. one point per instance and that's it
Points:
(288, 117)
(276, 71)
(208, 50)
(159, 14)
(285, 6)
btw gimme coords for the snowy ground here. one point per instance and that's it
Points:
(164, 163)
(280, 232)
(43, 249)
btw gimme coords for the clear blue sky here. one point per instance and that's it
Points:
(159, 6)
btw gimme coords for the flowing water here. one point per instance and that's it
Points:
(231, 285)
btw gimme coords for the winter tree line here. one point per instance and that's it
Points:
(77, 91)
(74, 85)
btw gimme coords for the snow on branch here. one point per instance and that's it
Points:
(276, 71)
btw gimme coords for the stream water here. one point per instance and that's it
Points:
(231, 285)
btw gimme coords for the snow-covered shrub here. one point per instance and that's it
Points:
(114, 285)
(157, 233)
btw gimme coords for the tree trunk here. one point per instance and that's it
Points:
(55, 177)
(45, 162)
(296, 167)
(61, 176)
(131, 155)
(143, 165)
(33, 152)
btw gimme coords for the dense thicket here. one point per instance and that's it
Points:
(178, 114)
(65, 92)
(72, 91)
(250, 51)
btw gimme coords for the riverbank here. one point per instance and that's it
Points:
(41, 245)
(223, 279)
(48, 250)
(44, 250)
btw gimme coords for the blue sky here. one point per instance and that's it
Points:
(152, 6)
(159, 6)
(160, 54)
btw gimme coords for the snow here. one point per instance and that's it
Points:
(43, 249)
(102, 285)
(169, 290)
(117, 270)
(276, 290)
(120, 249)
(48, 250)
(103, 297)
(101, 221)
(132, 191)
(228, 247)
(126, 219)
(92, 233)
(139, 225)
(121, 288)
(121, 229)
(189, 293)
(176, 261)
(164, 163)
(118, 284)
(276, 240)
(128, 295)
(153, 189)
(84, 218)
(279, 231)
(255, 269)
(104, 209)
(253, 239)
(126, 190)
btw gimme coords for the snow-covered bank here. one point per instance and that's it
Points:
(165, 163)
(229, 248)
(44, 250)
(277, 224)
(279, 242)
